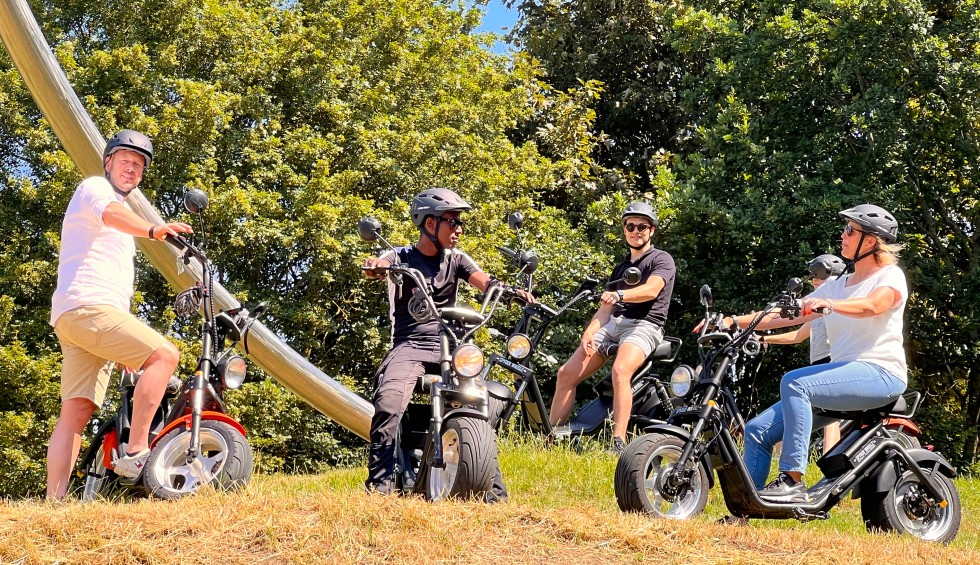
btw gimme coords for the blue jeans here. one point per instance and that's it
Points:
(835, 386)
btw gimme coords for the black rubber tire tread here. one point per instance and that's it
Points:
(477, 460)
(236, 472)
(631, 471)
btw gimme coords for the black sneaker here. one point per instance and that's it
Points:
(618, 446)
(783, 487)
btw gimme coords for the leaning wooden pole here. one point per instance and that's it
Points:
(84, 143)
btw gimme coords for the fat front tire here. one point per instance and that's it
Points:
(904, 509)
(469, 450)
(642, 483)
(225, 461)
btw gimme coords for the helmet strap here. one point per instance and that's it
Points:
(849, 267)
(433, 238)
(122, 193)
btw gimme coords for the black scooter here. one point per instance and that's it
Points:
(667, 471)
(651, 401)
(448, 448)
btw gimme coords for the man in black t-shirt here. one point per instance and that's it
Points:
(415, 346)
(632, 317)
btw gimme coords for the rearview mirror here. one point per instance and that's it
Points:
(195, 200)
(794, 285)
(515, 220)
(706, 298)
(369, 229)
(632, 276)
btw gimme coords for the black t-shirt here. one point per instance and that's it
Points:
(652, 262)
(443, 273)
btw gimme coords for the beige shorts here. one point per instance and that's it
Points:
(92, 339)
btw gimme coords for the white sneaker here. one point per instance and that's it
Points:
(130, 466)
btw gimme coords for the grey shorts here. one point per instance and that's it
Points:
(619, 330)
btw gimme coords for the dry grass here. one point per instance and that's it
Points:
(552, 518)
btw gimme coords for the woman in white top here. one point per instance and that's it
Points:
(816, 332)
(864, 325)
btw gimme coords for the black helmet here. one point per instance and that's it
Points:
(826, 266)
(641, 209)
(132, 140)
(874, 220)
(436, 202)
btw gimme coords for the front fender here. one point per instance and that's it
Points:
(185, 421)
(683, 434)
(668, 429)
(886, 475)
(464, 411)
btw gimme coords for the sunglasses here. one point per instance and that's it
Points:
(455, 223)
(849, 230)
(636, 227)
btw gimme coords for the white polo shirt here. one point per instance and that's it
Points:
(95, 266)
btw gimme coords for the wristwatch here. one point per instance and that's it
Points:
(621, 297)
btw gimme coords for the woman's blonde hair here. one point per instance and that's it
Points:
(887, 253)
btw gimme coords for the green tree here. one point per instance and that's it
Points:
(788, 114)
(297, 118)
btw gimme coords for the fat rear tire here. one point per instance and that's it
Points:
(469, 449)
(640, 479)
(225, 455)
(96, 480)
(901, 509)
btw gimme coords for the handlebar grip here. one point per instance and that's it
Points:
(510, 253)
(178, 241)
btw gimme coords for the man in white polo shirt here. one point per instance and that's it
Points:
(90, 310)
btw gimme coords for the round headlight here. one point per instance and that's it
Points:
(468, 360)
(232, 371)
(681, 380)
(519, 346)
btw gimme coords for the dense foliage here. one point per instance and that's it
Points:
(297, 119)
(749, 124)
(769, 118)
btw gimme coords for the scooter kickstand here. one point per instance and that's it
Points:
(804, 516)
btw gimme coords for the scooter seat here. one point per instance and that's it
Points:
(898, 407)
(661, 352)
(129, 379)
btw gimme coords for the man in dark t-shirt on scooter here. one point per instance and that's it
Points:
(631, 316)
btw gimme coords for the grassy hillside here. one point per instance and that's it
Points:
(562, 510)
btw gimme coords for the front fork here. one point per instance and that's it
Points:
(435, 425)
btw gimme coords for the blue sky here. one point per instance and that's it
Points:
(498, 16)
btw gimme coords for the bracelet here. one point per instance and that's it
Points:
(151, 231)
(831, 303)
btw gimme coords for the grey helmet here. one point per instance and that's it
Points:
(132, 140)
(641, 209)
(436, 202)
(826, 266)
(874, 220)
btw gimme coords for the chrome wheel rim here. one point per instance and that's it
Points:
(179, 475)
(924, 523)
(441, 481)
(659, 465)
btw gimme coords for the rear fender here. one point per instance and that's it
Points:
(903, 425)
(109, 443)
(185, 421)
